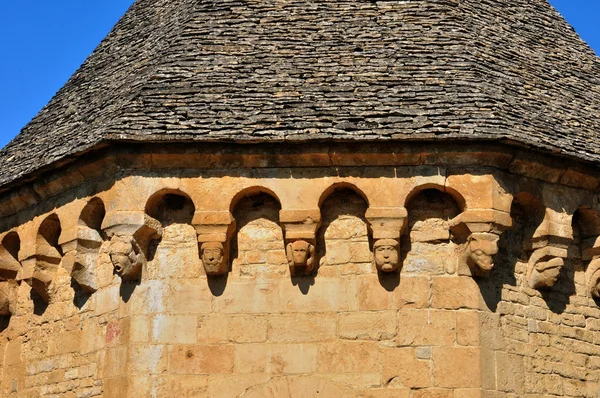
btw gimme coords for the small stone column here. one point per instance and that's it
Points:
(130, 234)
(300, 231)
(549, 244)
(482, 228)
(387, 224)
(214, 229)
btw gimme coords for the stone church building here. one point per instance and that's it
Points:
(342, 198)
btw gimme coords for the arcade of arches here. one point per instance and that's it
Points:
(390, 281)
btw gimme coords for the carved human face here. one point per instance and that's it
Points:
(300, 253)
(482, 249)
(121, 263)
(125, 258)
(212, 257)
(386, 256)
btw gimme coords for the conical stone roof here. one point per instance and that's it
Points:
(326, 70)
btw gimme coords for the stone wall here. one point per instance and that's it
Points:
(282, 282)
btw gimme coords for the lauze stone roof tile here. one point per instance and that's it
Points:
(275, 71)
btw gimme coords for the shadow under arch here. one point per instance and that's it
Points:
(430, 209)
(47, 260)
(48, 235)
(453, 193)
(339, 186)
(343, 236)
(9, 255)
(257, 232)
(90, 223)
(515, 245)
(249, 192)
(93, 214)
(170, 206)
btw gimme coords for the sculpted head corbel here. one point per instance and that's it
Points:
(480, 231)
(590, 251)
(386, 256)
(549, 244)
(300, 227)
(480, 250)
(387, 224)
(301, 257)
(130, 235)
(214, 258)
(126, 256)
(544, 266)
(592, 274)
(214, 230)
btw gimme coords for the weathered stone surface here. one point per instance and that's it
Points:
(276, 358)
(368, 325)
(347, 357)
(426, 328)
(193, 359)
(400, 366)
(429, 329)
(456, 367)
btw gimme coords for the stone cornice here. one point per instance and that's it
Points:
(108, 160)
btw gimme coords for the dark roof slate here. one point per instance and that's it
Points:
(291, 70)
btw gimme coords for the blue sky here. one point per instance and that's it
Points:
(43, 42)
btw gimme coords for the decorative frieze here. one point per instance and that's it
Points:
(126, 237)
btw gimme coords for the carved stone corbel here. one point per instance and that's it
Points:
(47, 260)
(300, 229)
(591, 253)
(214, 230)
(482, 229)
(8, 297)
(130, 234)
(81, 247)
(387, 224)
(549, 243)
